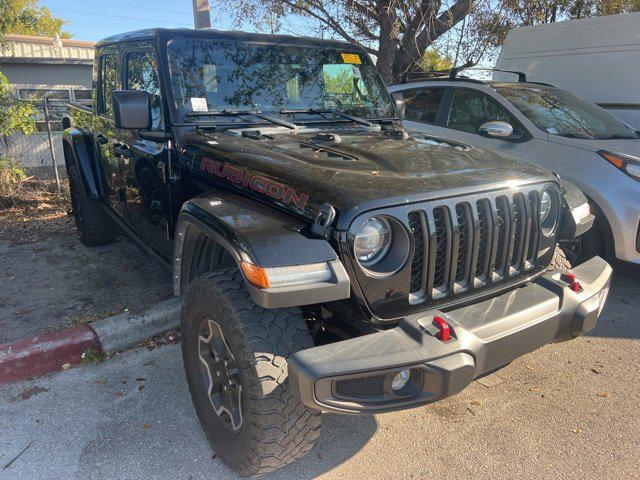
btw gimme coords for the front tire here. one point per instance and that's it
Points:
(256, 424)
(560, 260)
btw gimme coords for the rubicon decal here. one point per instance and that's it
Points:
(267, 187)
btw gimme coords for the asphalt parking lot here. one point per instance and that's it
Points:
(569, 410)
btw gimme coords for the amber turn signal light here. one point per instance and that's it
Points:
(255, 275)
(615, 160)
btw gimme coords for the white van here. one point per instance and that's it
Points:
(597, 59)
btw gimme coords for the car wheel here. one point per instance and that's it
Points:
(235, 355)
(586, 246)
(94, 225)
(560, 260)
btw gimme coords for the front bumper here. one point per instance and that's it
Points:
(355, 375)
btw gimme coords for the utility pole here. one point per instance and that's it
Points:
(201, 14)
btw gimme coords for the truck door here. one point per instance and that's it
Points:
(105, 134)
(145, 172)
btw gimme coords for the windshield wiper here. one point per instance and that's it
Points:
(616, 137)
(316, 111)
(239, 113)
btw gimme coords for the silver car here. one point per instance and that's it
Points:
(578, 140)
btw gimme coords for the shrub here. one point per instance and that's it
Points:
(10, 176)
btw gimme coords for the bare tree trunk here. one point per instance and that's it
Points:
(413, 48)
(387, 42)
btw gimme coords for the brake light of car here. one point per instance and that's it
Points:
(628, 164)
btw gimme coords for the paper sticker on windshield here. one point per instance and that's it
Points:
(199, 104)
(352, 58)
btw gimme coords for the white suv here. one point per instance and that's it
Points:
(578, 140)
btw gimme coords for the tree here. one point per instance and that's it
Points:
(517, 13)
(27, 17)
(396, 32)
(480, 34)
(15, 117)
(433, 60)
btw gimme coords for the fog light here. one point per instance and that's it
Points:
(400, 380)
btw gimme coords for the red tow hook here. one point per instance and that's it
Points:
(444, 332)
(574, 284)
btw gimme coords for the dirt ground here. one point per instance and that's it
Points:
(49, 280)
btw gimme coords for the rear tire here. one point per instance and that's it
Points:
(229, 340)
(94, 225)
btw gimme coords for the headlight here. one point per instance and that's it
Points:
(546, 202)
(628, 164)
(373, 241)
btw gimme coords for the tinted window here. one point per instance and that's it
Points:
(561, 113)
(211, 75)
(108, 81)
(422, 105)
(470, 109)
(142, 74)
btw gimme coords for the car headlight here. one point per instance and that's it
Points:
(372, 241)
(628, 164)
(546, 203)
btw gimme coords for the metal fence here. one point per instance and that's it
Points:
(35, 153)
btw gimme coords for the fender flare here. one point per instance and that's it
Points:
(79, 145)
(573, 222)
(261, 235)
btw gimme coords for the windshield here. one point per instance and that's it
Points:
(561, 113)
(217, 75)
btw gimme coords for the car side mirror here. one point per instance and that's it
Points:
(398, 98)
(131, 109)
(496, 129)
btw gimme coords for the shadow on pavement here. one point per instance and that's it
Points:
(621, 315)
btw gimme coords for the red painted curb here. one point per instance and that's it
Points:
(42, 354)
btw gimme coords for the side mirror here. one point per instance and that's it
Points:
(496, 129)
(131, 109)
(399, 100)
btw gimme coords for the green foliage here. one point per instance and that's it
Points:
(92, 355)
(27, 17)
(15, 116)
(10, 175)
(432, 61)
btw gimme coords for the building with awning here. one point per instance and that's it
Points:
(62, 70)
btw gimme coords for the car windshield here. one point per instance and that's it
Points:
(226, 75)
(561, 113)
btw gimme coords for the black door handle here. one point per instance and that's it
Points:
(101, 139)
(122, 150)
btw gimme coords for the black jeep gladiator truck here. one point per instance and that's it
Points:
(327, 261)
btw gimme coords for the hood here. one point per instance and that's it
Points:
(629, 146)
(356, 170)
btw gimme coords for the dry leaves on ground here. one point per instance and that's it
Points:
(34, 211)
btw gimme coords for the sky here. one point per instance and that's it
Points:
(97, 19)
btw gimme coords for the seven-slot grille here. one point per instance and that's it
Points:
(471, 243)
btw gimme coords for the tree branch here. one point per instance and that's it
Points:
(327, 19)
